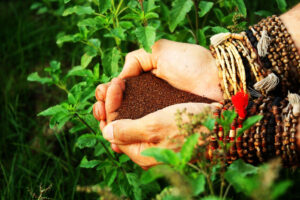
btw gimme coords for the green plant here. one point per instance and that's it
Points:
(211, 179)
(102, 32)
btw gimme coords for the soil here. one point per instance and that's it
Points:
(146, 93)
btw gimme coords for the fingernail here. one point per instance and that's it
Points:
(108, 132)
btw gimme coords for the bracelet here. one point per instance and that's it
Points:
(261, 62)
(277, 51)
(260, 143)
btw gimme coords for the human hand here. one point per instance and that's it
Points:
(185, 66)
(157, 129)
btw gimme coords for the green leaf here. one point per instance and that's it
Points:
(110, 61)
(59, 119)
(188, 148)
(250, 121)
(85, 163)
(162, 155)
(62, 121)
(219, 14)
(126, 24)
(237, 173)
(241, 7)
(79, 71)
(66, 1)
(154, 173)
(146, 36)
(99, 150)
(42, 10)
(134, 182)
(178, 12)
(151, 15)
(110, 177)
(104, 164)
(86, 140)
(219, 29)
(211, 198)
(53, 110)
(62, 38)
(205, 7)
(150, 5)
(79, 10)
(117, 32)
(104, 5)
(198, 184)
(280, 188)
(281, 5)
(263, 13)
(226, 119)
(35, 77)
(35, 5)
(71, 98)
(209, 123)
(96, 22)
(86, 59)
(93, 47)
(115, 57)
(124, 158)
(131, 16)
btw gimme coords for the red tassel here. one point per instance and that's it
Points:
(240, 102)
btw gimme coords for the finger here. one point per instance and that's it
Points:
(115, 148)
(100, 92)
(134, 151)
(102, 124)
(120, 82)
(136, 62)
(99, 110)
(127, 131)
(113, 101)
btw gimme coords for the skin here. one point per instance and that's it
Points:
(187, 67)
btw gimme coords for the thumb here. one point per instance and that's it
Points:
(127, 131)
(136, 62)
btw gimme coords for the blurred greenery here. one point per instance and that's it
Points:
(34, 157)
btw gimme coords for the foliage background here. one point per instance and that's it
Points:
(86, 47)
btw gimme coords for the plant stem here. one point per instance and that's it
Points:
(91, 129)
(226, 191)
(196, 19)
(210, 185)
(105, 148)
(222, 186)
(142, 8)
(192, 29)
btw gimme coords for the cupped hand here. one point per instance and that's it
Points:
(157, 129)
(185, 66)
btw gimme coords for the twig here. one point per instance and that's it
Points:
(226, 191)
(196, 19)
(91, 129)
(105, 148)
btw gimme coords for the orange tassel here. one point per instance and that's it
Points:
(240, 102)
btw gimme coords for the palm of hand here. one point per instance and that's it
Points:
(185, 66)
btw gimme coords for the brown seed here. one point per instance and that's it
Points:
(146, 93)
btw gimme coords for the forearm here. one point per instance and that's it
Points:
(291, 20)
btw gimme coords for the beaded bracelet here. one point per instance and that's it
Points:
(277, 51)
(259, 143)
(229, 50)
(269, 51)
